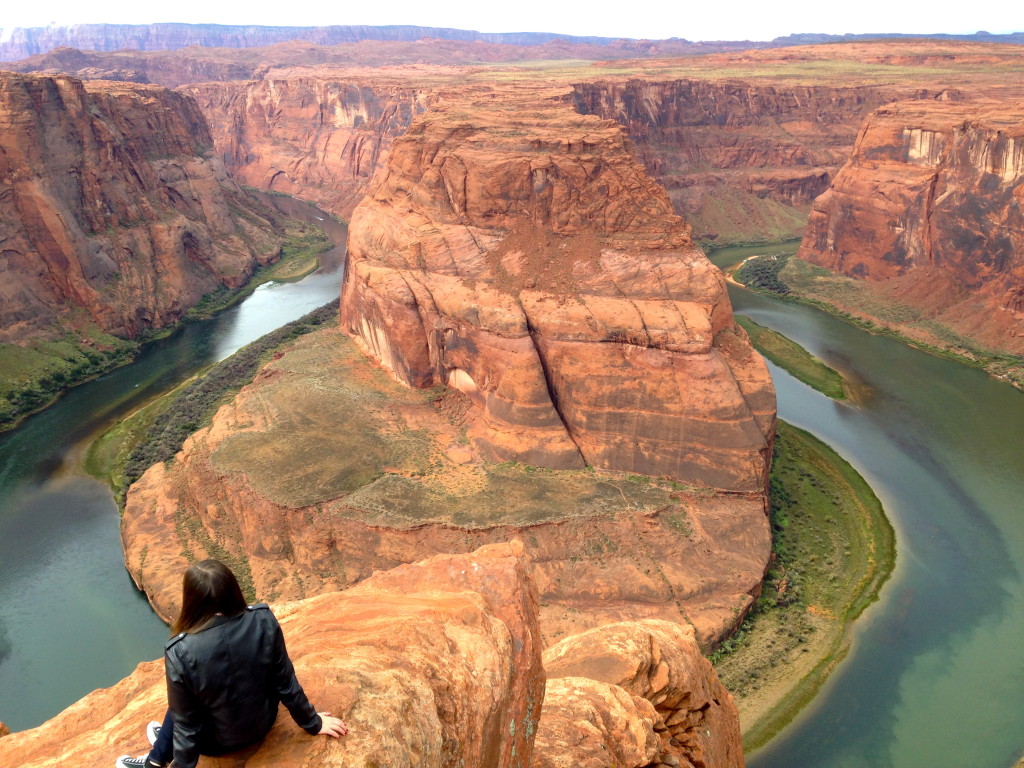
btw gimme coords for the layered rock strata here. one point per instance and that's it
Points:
(309, 134)
(929, 210)
(324, 470)
(635, 694)
(111, 205)
(740, 160)
(515, 250)
(437, 664)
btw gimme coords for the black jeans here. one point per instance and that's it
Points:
(163, 749)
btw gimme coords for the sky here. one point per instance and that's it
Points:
(704, 20)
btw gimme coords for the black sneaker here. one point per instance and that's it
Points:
(127, 761)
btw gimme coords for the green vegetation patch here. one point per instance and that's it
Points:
(761, 273)
(157, 432)
(791, 357)
(856, 302)
(345, 435)
(33, 376)
(833, 550)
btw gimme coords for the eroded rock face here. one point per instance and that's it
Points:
(635, 694)
(929, 207)
(110, 204)
(324, 470)
(516, 250)
(307, 133)
(740, 160)
(432, 665)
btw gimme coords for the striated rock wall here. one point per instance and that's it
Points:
(435, 665)
(516, 250)
(110, 204)
(310, 135)
(740, 160)
(929, 208)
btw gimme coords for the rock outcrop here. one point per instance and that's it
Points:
(740, 160)
(929, 210)
(308, 134)
(515, 250)
(635, 694)
(324, 470)
(111, 205)
(435, 664)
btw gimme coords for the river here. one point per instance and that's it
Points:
(71, 619)
(935, 676)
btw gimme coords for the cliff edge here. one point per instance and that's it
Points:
(432, 664)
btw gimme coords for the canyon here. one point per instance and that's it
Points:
(439, 663)
(551, 356)
(112, 210)
(927, 212)
(540, 313)
(743, 141)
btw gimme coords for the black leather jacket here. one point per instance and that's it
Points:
(224, 683)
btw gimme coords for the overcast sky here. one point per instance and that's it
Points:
(704, 20)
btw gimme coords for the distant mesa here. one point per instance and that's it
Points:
(20, 42)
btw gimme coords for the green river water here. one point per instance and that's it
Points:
(935, 676)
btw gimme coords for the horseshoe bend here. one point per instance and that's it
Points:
(531, 347)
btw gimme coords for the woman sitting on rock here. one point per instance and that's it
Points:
(227, 670)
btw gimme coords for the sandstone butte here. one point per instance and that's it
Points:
(439, 664)
(519, 254)
(928, 210)
(112, 209)
(516, 251)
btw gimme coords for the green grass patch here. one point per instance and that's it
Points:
(32, 377)
(791, 357)
(833, 550)
(122, 454)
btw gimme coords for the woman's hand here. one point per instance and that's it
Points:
(331, 726)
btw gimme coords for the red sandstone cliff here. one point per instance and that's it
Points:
(741, 160)
(110, 203)
(929, 209)
(308, 134)
(516, 250)
(438, 665)
(635, 694)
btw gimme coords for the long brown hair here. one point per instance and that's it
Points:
(208, 588)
